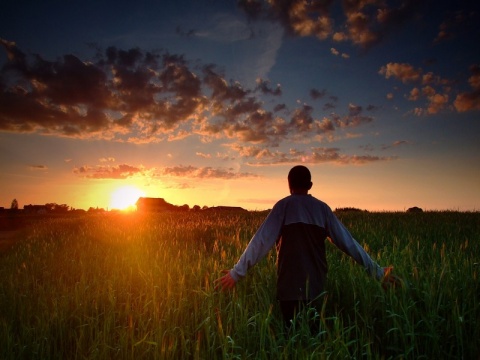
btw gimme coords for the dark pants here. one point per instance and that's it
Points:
(291, 308)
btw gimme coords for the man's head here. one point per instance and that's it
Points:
(299, 179)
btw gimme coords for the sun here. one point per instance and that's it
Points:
(125, 197)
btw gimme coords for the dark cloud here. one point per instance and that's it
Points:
(204, 172)
(122, 92)
(458, 24)
(328, 107)
(38, 167)
(186, 33)
(264, 88)
(302, 120)
(279, 107)
(317, 94)
(316, 155)
(140, 96)
(221, 90)
(354, 118)
(354, 110)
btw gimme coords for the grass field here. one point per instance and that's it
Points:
(141, 287)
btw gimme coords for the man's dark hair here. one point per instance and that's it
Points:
(299, 177)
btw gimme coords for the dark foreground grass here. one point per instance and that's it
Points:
(132, 287)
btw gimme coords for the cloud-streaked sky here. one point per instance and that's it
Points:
(211, 102)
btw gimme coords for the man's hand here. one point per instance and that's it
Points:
(390, 280)
(226, 282)
(387, 271)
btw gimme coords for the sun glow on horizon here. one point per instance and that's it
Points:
(125, 197)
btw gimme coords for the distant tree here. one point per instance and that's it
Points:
(349, 209)
(50, 206)
(184, 207)
(63, 208)
(77, 211)
(196, 208)
(56, 208)
(95, 210)
(14, 205)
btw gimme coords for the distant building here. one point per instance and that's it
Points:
(146, 204)
(35, 209)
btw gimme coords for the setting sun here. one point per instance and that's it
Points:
(125, 197)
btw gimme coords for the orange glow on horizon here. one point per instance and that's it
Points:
(125, 197)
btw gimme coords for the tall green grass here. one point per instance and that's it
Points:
(141, 287)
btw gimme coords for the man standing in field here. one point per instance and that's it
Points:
(299, 225)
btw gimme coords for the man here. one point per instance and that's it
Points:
(299, 225)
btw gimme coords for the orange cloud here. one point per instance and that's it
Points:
(364, 23)
(204, 172)
(467, 101)
(122, 171)
(401, 71)
(437, 102)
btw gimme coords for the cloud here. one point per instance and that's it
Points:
(401, 71)
(337, 53)
(204, 172)
(185, 33)
(142, 97)
(264, 88)
(353, 119)
(457, 24)
(474, 80)
(122, 171)
(363, 23)
(328, 106)
(466, 101)
(203, 155)
(436, 103)
(317, 94)
(316, 155)
(38, 167)
(435, 90)
(123, 92)
(125, 171)
(226, 28)
(395, 144)
(414, 94)
(298, 17)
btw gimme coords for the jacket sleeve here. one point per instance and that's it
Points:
(260, 244)
(342, 238)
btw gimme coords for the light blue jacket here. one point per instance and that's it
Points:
(309, 213)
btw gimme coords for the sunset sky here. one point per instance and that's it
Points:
(211, 102)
